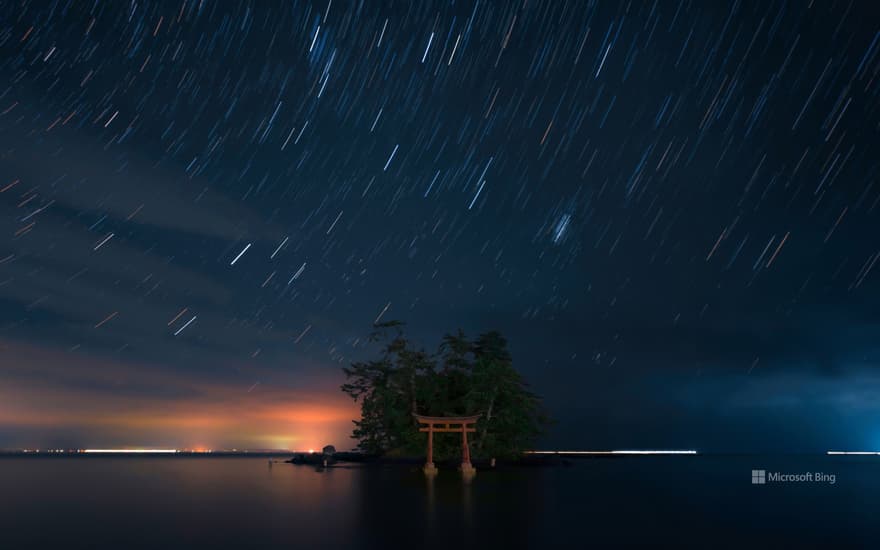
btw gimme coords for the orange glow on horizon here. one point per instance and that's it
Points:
(67, 393)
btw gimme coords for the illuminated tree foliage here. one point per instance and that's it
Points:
(463, 377)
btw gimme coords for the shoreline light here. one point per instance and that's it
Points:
(130, 451)
(622, 452)
(853, 452)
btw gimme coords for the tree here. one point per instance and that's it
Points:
(475, 378)
(390, 390)
(512, 416)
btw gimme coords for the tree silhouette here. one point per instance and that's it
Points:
(474, 377)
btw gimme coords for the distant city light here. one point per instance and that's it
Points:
(681, 452)
(131, 451)
(623, 452)
(853, 452)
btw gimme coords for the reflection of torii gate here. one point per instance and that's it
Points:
(467, 424)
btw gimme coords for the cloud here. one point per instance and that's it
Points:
(79, 174)
(127, 403)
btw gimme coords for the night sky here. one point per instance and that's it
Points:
(670, 210)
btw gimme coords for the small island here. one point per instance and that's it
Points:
(463, 379)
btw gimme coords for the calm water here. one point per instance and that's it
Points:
(161, 502)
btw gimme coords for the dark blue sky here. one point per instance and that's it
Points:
(670, 209)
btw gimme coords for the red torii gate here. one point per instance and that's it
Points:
(466, 424)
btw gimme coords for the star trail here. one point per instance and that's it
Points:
(669, 208)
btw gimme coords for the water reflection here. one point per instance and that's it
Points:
(467, 506)
(242, 502)
(430, 508)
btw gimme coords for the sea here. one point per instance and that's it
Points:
(703, 501)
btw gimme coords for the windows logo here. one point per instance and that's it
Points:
(759, 477)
